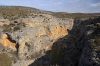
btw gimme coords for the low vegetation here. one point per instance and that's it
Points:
(76, 15)
(14, 12)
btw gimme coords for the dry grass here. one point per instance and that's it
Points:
(14, 12)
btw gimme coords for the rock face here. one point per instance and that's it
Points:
(5, 41)
(91, 52)
(79, 48)
(45, 40)
(33, 36)
(39, 34)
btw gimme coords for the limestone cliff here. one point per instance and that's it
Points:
(31, 37)
(79, 48)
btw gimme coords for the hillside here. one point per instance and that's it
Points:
(76, 15)
(13, 12)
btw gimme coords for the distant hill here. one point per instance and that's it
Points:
(76, 15)
(14, 12)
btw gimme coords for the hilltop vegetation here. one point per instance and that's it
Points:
(76, 15)
(14, 12)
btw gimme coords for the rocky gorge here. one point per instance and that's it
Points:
(43, 39)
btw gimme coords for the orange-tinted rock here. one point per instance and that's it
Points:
(58, 31)
(6, 42)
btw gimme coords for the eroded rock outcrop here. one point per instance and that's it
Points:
(46, 40)
(40, 33)
(79, 48)
(33, 36)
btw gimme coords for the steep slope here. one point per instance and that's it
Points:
(29, 38)
(79, 48)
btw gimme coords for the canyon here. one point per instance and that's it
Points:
(42, 39)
